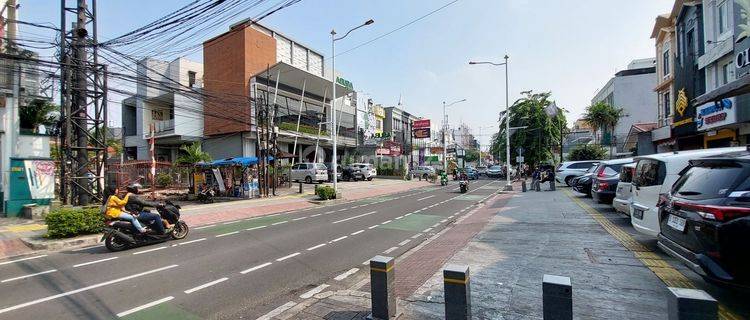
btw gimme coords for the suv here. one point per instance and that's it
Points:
(481, 170)
(705, 218)
(309, 172)
(367, 170)
(568, 170)
(339, 171)
(606, 179)
(423, 171)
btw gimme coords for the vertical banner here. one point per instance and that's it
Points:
(219, 179)
(41, 178)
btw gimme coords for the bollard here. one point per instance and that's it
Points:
(552, 185)
(300, 187)
(538, 186)
(691, 304)
(523, 186)
(457, 292)
(557, 298)
(382, 288)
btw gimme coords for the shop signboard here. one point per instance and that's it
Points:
(741, 39)
(436, 150)
(421, 133)
(345, 83)
(421, 124)
(716, 114)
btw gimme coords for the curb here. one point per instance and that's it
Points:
(39, 243)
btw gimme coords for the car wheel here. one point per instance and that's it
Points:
(567, 180)
(369, 179)
(308, 179)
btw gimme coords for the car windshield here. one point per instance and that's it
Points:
(712, 180)
(320, 166)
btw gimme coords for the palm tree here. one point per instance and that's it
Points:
(601, 115)
(38, 112)
(193, 154)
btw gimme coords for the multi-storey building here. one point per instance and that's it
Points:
(666, 45)
(689, 79)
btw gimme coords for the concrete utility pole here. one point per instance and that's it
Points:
(445, 129)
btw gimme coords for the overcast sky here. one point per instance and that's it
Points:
(570, 48)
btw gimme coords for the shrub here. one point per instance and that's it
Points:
(163, 179)
(325, 192)
(70, 222)
(587, 152)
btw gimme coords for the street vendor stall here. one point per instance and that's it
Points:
(230, 177)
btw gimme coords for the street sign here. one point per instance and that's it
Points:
(520, 159)
(451, 150)
(421, 133)
(423, 123)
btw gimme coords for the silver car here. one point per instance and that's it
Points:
(309, 172)
(368, 171)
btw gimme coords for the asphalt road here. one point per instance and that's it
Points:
(238, 269)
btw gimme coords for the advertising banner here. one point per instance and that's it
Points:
(421, 124)
(716, 114)
(41, 178)
(421, 133)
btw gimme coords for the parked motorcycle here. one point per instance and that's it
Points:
(464, 186)
(206, 195)
(120, 235)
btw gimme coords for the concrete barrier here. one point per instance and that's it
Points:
(692, 304)
(457, 292)
(382, 288)
(557, 298)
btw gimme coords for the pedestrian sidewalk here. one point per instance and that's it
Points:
(509, 244)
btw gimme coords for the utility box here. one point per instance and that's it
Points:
(32, 181)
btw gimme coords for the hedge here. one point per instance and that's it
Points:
(325, 192)
(70, 222)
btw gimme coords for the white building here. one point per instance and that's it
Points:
(163, 100)
(633, 91)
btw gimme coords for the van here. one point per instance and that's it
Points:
(309, 172)
(569, 170)
(654, 175)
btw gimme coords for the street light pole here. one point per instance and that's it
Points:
(334, 131)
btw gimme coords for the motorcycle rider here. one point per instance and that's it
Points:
(137, 204)
(115, 208)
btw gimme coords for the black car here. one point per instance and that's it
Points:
(705, 219)
(605, 180)
(339, 171)
(583, 183)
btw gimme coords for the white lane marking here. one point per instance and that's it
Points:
(339, 239)
(230, 222)
(24, 259)
(300, 218)
(280, 222)
(287, 257)
(278, 311)
(92, 262)
(314, 291)
(255, 228)
(366, 262)
(386, 221)
(28, 276)
(354, 217)
(149, 250)
(339, 210)
(227, 234)
(427, 230)
(316, 247)
(189, 242)
(256, 268)
(435, 225)
(404, 242)
(206, 285)
(391, 249)
(356, 232)
(373, 227)
(65, 294)
(346, 274)
(203, 227)
(427, 197)
(145, 306)
(399, 217)
(416, 236)
(315, 215)
(443, 221)
(408, 214)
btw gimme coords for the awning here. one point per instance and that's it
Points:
(238, 161)
(732, 89)
(294, 77)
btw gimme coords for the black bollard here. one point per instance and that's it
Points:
(457, 292)
(300, 187)
(557, 298)
(523, 186)
(686, 304)
(552, 185)
(382, 288)
(538, 186)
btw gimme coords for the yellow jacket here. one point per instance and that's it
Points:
(115, 206)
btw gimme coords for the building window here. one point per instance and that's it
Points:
(667, 105)
(665, 63)
(725, 73)
(722, 17)
(191, 78)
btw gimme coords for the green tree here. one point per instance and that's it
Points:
(542, 132)
(586, 152)
(38, 112)
(193, 154)
(116, 145)
(604, 117)
(471, 155)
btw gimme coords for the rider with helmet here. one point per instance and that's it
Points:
(137, 204)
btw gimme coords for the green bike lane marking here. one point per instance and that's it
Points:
(164, 311)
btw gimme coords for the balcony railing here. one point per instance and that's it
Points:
(164, 125)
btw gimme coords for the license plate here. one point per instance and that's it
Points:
(676, 223)
(638, 214)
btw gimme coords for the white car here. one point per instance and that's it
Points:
(368, 171)
(568, 170)
(654, 175)
(623, 192)
(423, 171)
(309, 172)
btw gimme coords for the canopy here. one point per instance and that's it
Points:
(237, 161)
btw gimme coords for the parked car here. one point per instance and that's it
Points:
(582, 184)
(606, 179)
(423, 171)
(654, 175)
(352, 173)
(495, 171)
(472, 173)
(482, 170)
(705, 218)
(568, 170)
(339, 171)
(309, 172)
(621, 203)
(368, 170)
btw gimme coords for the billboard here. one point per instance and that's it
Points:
(422, 123)
(421, 133)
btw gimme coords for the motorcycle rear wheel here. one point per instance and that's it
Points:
(114, 244)
(180, 231)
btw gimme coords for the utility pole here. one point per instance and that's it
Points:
(84, 110)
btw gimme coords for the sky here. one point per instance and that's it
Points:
(570, 48)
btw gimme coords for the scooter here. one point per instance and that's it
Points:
(120, 235)
(463, 186)
(443, 179)
(206, 196)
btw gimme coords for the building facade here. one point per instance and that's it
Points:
(666, 45)
(689, 79)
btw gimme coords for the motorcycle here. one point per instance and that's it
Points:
(463, 185)
(443, 179)
(206, 196)
(120, 235)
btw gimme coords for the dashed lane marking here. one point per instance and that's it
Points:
(404, 242)
(206, 285)
(339, 239)
(188, 242)
(280, 222)
(373, 227)
(93, 262)
(314, 291)
(416, 235)
(23, 259)
(288, 256)
(425, 198)
(145, 306)
(204, 227)
(356, 232)
(354, 217)
(255, 228)
(426, 230)
(28, 276)
(149, 250)
(227, 234)
(391, 249)
(260, 266)
(316, 247)
(347, 273)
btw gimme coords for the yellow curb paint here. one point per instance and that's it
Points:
(381, 270)
(666, 273)
(26, 227)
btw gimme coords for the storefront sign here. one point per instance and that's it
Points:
(716, 114)
(741, 39)
(423, 123)
(681, 116)
(436, 150)
(345, 83)
(390, 148)
(379, 111)
(421, 133)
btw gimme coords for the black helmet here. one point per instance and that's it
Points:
(133, 188)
